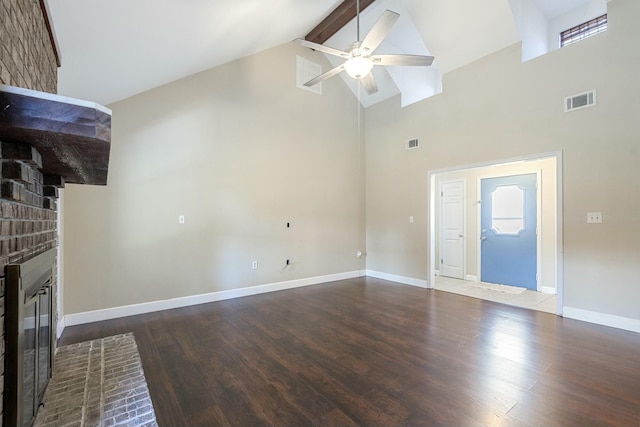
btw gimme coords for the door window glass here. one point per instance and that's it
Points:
(507, 214)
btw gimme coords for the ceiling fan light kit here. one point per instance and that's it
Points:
(358, 67)
(359, 58)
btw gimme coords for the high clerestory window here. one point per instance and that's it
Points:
(582, 31)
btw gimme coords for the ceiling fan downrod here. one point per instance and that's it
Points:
(358, 20)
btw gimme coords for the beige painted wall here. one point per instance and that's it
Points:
(501, 108)
(548, 208)
(240, 151)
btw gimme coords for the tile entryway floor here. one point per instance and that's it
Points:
(498, 293)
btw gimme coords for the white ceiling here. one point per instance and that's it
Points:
(114, 49)
(554, 8)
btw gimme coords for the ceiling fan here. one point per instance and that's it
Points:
(359, 55)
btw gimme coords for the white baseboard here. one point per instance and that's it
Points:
(436, 272)
(148, 307)
(400, 279)
(472, 278)
(548, 290)
(604, 319)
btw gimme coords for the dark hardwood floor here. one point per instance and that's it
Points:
(373, 353)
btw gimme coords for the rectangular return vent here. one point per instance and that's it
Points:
(305, 71)
(582, 100)
(412, 144)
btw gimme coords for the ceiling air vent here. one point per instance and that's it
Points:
(582, 100)
(412, 144)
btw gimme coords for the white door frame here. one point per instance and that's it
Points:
(559, 273)
(538, 223)
(464, 223)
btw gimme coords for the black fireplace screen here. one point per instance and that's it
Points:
(29, 335)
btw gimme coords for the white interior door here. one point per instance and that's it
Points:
(452, 214)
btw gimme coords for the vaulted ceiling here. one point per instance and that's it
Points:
(114, 49)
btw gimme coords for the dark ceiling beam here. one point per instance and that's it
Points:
(337, 19)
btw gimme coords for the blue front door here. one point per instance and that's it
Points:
(508, 231)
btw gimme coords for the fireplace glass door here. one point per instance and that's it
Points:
(36, 354)
(29, 338)
(44, 340)
(29, 362)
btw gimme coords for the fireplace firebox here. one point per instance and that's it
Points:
(29, 337)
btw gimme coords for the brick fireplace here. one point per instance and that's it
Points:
(27, 218)
(44, 141)
(28, 59)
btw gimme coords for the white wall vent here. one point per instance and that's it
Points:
(412, 144)
(581, 100)
(305, 71)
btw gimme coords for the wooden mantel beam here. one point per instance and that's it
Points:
(337, 19)
(73, 137)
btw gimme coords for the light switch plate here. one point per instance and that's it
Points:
(594, 218)
(181, 219)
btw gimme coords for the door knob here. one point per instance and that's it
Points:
(460, 235)
(483, 238)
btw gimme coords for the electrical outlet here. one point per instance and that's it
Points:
(254, 265)
(594, 218)
(411, 219)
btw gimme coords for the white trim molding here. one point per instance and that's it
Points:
(472, 278)
(59, 327)
(400, 279)
(604, 319)
(548, 290)
(149, 307)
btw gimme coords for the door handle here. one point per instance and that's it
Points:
(483, 238)
(460, 236)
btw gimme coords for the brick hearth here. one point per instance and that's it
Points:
(98, 383)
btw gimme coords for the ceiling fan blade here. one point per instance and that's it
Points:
(321, 48)
(380, 30)
(369, 83)
(415, 60)
(324, 76)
